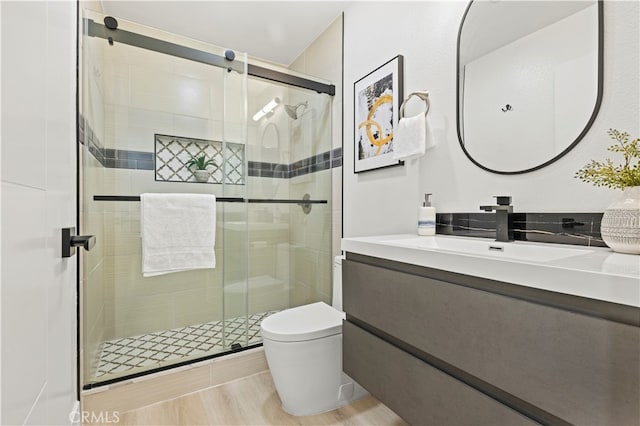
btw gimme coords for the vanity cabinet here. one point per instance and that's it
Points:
(445, 348)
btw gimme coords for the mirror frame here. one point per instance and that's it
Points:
(582, 134)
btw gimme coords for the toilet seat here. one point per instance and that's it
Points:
(302, 323)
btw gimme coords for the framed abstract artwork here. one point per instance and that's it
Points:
(377, 97)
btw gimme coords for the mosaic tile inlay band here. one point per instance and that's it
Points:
(153, 350)
(142, 160)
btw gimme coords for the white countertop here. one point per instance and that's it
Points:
(593, 272)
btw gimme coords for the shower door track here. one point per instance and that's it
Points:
(94, 29)
(94, 385)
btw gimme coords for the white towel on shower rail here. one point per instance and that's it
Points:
(178, 232)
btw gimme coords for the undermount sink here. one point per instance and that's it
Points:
(522, 251)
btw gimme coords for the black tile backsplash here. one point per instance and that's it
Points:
(559, 228)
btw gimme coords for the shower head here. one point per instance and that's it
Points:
(292, 110)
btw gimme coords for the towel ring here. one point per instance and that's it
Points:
(422, 95)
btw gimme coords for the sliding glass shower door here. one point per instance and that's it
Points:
(290, 161)
(145, 114)
(151, 102)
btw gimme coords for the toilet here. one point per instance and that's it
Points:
(303, 346)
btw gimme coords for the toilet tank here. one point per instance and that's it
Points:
(336, 298)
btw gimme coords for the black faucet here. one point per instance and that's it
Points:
(503, 208)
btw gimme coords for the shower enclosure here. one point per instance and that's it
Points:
(149, 102)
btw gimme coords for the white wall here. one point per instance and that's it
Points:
(386, 201)
(38, 198)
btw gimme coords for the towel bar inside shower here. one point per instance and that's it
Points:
(218, 199)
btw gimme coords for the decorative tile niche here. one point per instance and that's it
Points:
(172, 153)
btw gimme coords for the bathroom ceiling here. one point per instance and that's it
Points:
(276, 31)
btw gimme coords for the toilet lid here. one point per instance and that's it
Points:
(303, 323)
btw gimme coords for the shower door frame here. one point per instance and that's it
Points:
(92, 29)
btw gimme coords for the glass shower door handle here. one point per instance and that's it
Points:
(70, 241)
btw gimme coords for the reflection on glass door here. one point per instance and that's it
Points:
(289, 240)
(145, 116)
(149, 121)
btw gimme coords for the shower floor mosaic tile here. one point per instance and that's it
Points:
(151, 350)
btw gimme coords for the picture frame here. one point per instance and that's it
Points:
(376, 98)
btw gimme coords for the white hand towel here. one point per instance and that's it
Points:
(430, 138)
(178, 232)
(409, 140)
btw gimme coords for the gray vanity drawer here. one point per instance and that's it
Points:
(582, 369)
(419, 393)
